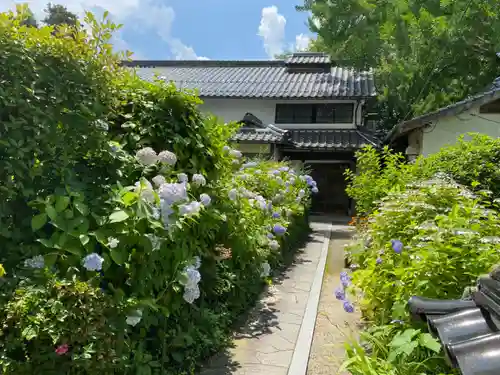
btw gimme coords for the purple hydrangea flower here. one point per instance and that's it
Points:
(345, 279)
(340, 293)
(379, 260)
(348, 307)
(276, 215)
(397, 246)
(270, 236)
(279, 229)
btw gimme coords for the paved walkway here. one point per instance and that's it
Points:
(277, 338)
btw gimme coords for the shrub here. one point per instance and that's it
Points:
(66, 326)
(433, 239)
(146, 219)
(472, 163)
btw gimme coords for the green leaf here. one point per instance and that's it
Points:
(62, 203)
(119, 255)
(82, 208)
(118, 216)
(50, 259)
(84, 239)
(426, 340)
(38, 221)
(51, 212)
(29, 333)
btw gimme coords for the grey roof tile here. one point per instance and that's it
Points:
(308, 58)
(258, 136)
(335, 139)
(259, 79)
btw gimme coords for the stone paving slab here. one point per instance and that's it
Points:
(266, 344)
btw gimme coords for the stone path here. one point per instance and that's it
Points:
(334, 326)
(269, 344)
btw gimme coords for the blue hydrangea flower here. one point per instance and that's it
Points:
(93, 262)
(276, 215)
(397, 246)
(205, 199)
(315, 190)
(36, 262)
(191, 294)
(279, 230)
(226, 148)
(348, 307)
(379, 260)
(270, 236)
(340, 293)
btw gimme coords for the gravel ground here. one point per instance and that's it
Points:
(333, 325)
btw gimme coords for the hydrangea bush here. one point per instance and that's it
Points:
(148, 239)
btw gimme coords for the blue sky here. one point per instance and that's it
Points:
(198, 29)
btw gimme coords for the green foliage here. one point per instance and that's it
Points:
(58, 14)
(416, 47)
(70, 315)
(393, 350)
(156, 233)
(449, 238)
(472, 162)
(449, 235)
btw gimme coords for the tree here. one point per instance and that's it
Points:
(425, 53)
(58, 15)
(26, 15)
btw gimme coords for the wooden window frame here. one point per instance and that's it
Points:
(293, 118)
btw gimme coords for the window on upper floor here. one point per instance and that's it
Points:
(492, 107)
(318, 113)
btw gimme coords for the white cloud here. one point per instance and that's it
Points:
(272, 30)
(301, 42)
(139, 15)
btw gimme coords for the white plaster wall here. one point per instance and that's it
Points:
(446, 130)
(228, 110)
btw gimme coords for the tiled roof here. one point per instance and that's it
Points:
(335, 139)
(308, 58)
(254, 131)
(258, 136)
(261, 79)
(450, 110)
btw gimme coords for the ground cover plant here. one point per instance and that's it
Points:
(133, 235)
(431, 229)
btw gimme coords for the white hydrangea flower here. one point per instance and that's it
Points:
(36, 262)
(159, 180)
(235, 154)
(167, 157)
(226, 148)
(274, 245)
(197, 262)
(113, 242)
(265, 270)
(173, 192)
(199, 180)
(189, 208)
(233, 194)
(146, 156)
(145, 190)
(182, 177)
(135, 318)
(205, 199)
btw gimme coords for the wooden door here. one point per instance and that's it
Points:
(331, 197)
